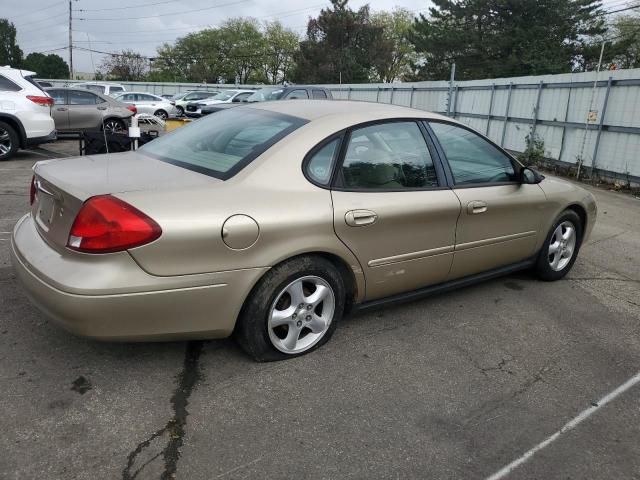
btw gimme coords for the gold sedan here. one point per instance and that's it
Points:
(271, 222)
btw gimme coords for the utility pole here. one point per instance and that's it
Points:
(70, 42)
(586, 123)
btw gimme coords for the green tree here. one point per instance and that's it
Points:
(339, 46)
(394, 52)
(498, 38)
(47, 66)
(10, 53)
(242, 45)
(280, 46)
(625, 47)
(127, 66)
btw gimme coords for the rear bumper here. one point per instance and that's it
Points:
(111, 298)
(51, 137)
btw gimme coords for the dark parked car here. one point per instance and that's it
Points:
(268, 94)
(77, 109)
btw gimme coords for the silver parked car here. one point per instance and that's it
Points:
(149, 103)
(77, 109)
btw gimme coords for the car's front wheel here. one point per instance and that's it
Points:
(8, 141)
(293, 310)
(180, 111)
(560, 249)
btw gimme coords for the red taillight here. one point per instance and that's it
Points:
(32, 192)
(44, 101)
(132, 108)
(106, 224)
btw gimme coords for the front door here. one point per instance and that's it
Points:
(500, 217)
(392, 210)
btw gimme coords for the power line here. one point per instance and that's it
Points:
(168, 14)
(127, 7)
(40, 10)
(41, 20)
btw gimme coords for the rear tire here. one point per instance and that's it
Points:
(275, 324)
(560, 249)
(114, 125)
(9, 141)
(162, 114)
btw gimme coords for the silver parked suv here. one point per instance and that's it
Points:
(76, 109)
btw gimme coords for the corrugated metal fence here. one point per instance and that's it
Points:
(555, 107)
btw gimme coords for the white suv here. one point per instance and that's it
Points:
(111, 89)
(25, 112)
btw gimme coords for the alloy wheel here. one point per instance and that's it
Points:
(562, 246)
(301, 314)
(113, 126)
(5, 142)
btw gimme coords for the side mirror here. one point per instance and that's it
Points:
(530, 176)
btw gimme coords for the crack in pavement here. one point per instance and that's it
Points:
(175, 427)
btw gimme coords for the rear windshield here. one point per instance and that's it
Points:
(223, 143)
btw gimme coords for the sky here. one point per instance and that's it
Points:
(143, 25)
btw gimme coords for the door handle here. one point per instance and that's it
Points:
(61, 109)
(477, 206)
(102, 108)
(360, 218)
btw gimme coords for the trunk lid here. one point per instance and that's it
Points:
(63, 185)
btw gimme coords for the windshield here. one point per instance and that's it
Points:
(266, 94)
(221, 145)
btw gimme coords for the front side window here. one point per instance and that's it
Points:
(94, 88)
(266, 94)
(388, 156)
(114, 90)
(319, 94)
(81, 98)
(472, 158)
(222, 144)
(320, 165)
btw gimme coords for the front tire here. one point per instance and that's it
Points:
(8, 141)
(560, 249)
(293, 310)
(180, 111)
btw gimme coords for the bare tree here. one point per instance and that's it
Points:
(125, 66)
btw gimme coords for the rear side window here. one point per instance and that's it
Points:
(7, 85)
(59, 96)
(319, 94)
(320, 164)
(472, 159)
(222, 144)
(82, 98)
(388, 156)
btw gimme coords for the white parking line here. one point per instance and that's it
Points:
(567, 427)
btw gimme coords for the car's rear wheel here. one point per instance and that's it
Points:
(114, 125)
(293, 310)
(560, 249)
(180, 111)
(162, 114)
(8, 141)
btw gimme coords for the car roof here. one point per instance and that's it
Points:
(314, 109)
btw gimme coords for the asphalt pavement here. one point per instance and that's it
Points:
(456, 386)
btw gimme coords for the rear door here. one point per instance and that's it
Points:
(85, 110)
(392, 207)
(60, 111)
(500, 217)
